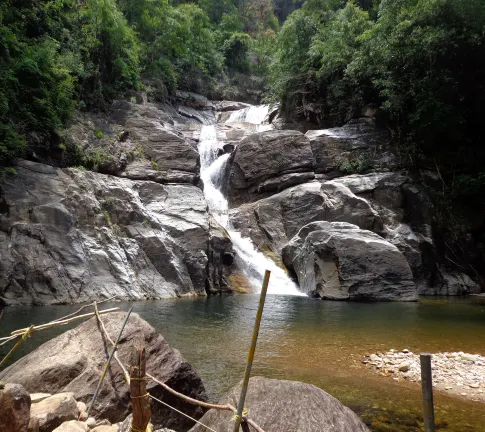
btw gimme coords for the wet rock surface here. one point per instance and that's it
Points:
(72, 363)
(457, 373)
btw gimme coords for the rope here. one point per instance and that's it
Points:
(8, 339)
(142, 396)
(238, 419)
(24, 337)
(180, 412)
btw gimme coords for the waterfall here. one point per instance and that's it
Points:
(254, 114)
(254, 263)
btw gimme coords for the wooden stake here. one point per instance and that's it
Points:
(140, 401)
(427, 387)
(252, 349)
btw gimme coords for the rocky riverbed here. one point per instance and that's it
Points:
(453, 372)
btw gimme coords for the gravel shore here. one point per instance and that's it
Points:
(453, 372)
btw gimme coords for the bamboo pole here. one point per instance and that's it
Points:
(115, 347)
(427, 387)
(140, 401)
(101, 323)
(252, 349)
(66, 321)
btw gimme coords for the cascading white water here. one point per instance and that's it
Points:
(254, 263)
(254, 114)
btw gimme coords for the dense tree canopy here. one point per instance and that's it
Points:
(61, 55)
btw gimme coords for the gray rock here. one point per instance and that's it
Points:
(224, 106)
(72, 426)
(221, 259)
(358, 139)
(286, 406)
(451, 284)
(73, 236)
(271, 222)
(265, 155)
(14, 408)
(340, 261)
(72, 362)
(54, 410)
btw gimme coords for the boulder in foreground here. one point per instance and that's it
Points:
(72, 362)
(284, 406)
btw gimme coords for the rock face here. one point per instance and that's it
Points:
(14, 408)
(278, 406)
(358, 141)
(273, 221)
(72, 363)
(340, 261)
(268, 155)
(389, 204)
(70, 236)
(141, 141)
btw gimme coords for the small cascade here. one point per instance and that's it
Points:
(253, 114)
(254, 263)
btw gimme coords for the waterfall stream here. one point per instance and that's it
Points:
(212, 169)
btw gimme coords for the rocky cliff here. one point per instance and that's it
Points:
(136, 229)
(136, 225)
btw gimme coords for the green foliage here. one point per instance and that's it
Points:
(99, 134)
(357, 165)
(235, 50)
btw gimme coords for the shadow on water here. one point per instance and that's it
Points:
(310, 340)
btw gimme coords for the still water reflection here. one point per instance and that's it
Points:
(313, 341)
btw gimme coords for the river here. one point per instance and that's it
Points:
(315, 341)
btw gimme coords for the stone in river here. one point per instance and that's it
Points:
(278, 406)
(340, 261)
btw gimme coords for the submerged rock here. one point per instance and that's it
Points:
(14, 408)
(72, 362)
(340, 261)
(278, 406)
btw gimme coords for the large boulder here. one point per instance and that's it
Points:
(265, 156)
(340, 261)
(14, 408)
(72, 362)
(278, 406)
(71, 236)
(357, 143)
(271, 222)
